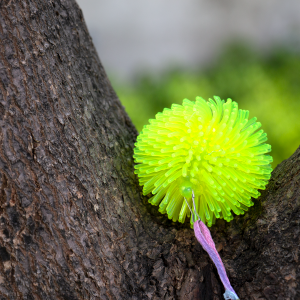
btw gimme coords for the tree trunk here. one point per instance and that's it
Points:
(74, 223)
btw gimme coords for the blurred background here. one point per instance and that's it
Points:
(159, 52)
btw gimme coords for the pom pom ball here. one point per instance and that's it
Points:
(209, 148)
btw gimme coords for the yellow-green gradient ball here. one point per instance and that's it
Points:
(209, 147)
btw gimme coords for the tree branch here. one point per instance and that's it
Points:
(74, 223)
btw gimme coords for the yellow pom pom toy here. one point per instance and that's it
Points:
(208, 148)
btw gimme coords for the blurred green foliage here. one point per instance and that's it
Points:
(267, 86)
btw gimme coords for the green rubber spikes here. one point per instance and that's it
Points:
(210, 148)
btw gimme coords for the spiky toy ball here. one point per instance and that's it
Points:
(209, 148)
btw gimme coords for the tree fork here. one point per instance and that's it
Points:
(74, 223)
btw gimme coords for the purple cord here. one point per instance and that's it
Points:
(203, 235)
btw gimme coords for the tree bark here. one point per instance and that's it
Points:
(74, 223)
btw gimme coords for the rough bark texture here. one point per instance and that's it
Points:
(73, 222)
